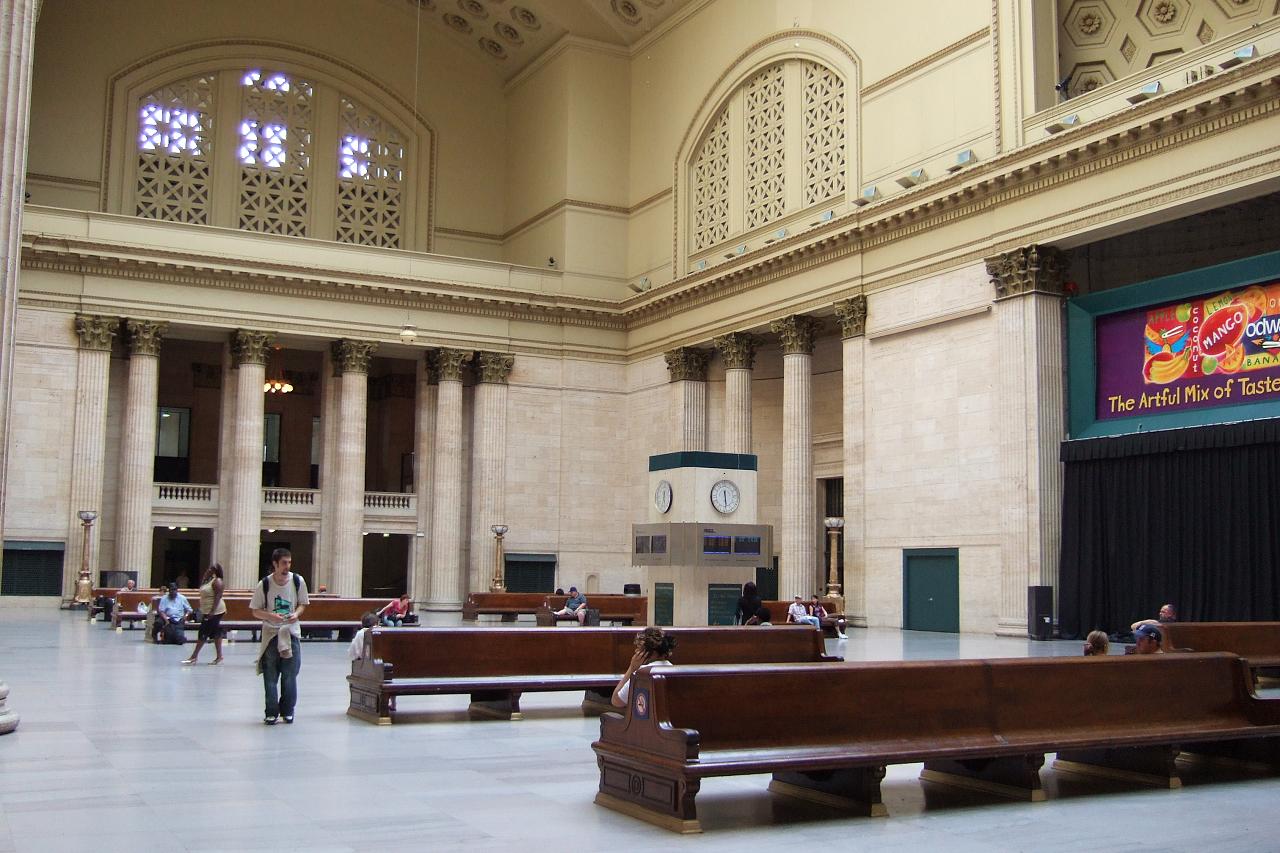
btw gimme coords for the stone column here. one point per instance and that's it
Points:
(226, 453)
(446, 520)
(89, 440)
(488, 463)
(346, 564)
(1030, 329)
(738, 350)
(17, 38)
(330, 385)
(249, 353)
(798, 574)
(688, 368)
(852, 316)
(423, 474)
(138, 449)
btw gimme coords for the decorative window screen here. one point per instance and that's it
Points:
(175, 132)
(274, 153)
(824, 134)
(371, 154)
(711, 186)
(764, 133)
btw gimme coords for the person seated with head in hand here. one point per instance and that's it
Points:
(1148, 639)
(394, 614)
(799, 615)
(355, 651)
(653, 648)
(575, 606)
(1096, 644)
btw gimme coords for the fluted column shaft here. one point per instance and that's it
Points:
(347, 564)
(688, 370)
(798, 573)
(738, 351)
(330, 384)
(852, 314)
(249, 351)
(138, 450)
(226, 461)
(88, 444)
(423, 476)
(488, 463)
(17, 38)
(446, 524)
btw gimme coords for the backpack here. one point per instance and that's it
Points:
(173, 634)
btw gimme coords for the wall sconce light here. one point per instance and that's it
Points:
(1148, 91)
(870, 194)
(910, 179)
(1062, 124)
(964, 158)
(1243, 54)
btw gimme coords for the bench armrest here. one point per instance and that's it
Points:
(638, 727)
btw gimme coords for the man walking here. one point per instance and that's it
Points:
(279, 601)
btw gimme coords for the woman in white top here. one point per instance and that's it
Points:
(653, 648)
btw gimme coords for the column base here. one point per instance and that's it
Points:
(442, 606)
(8, 719)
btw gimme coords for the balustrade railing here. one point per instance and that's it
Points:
(289, 497)
(183, 493)
(388, 500)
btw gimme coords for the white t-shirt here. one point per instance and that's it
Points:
(625, 693)
(355, 651)
(281, 599)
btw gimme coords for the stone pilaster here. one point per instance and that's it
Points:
(346, 563)
(688, 368)
(1030, 326)
(798, 574)
(488, 462)
(17, 39)
(738, 351)
(226, 457)
(249, 354)
(446, 522)
(88, 443)
(423, 475)
(330, 382)
(138, 449)
(852, 316)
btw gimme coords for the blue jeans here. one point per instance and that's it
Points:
(392, 622)
(285, 670)
(811, 620)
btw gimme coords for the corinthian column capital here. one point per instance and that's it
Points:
(248, 347)
(1030, 269)
(352, 356)
(687, 363)
(145, 336)
(493, 368)
(852, 314)
(796, 332)
(737, 350)
(450, 362)
(96, 332)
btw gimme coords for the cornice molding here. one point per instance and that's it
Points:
(921, 64)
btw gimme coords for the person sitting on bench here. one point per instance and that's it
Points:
(1096, 644)
(796, 613)
(816, 609)
(1148, 641)
(1168, 613)
(653, 648)
(575, 606)
(355, 651)
(172, 608)
(393, 615)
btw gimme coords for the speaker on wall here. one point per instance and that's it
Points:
(1040, 612)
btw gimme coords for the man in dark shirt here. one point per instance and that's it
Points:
(575, 606)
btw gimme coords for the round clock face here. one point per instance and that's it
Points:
(725, 496)
(662, 496)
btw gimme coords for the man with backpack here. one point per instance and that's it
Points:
(172, 611)
(279, 601)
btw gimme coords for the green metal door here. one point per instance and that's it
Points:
(722, 603)
(664, 603)
(931, 590)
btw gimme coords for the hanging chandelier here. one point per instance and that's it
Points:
(278, 385)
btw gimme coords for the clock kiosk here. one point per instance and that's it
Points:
(701, 542)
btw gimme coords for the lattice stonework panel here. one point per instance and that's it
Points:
(764, 140)
(371, 155)
(275, 153)
(175, 131)
(711, 186)
(824, 134)
(1101, 41)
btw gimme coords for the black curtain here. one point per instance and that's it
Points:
(1187, 516)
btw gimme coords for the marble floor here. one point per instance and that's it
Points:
(121, 748)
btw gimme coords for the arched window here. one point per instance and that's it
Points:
(774, 145)
(280, 147)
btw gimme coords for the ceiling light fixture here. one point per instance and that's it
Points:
(279, 384)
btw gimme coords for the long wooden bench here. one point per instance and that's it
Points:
(322, 614)
(508, 605)
(1256, 642)
(496, 665)
(778, 615)
(625, 609)
(826, 733)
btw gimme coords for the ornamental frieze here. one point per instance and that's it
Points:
(688, 363)
(852, 315)
(96, 332)
(796, 333)
(737, 350)
(1030, 269)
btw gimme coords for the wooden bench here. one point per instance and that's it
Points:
(322, 614)
(508, 605)
(826, 733)
(778, 615)
(624, 609)
(496, 665)
(1256, 642)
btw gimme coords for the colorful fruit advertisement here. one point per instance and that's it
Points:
(1219, 350)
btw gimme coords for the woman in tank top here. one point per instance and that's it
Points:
(211, 608)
